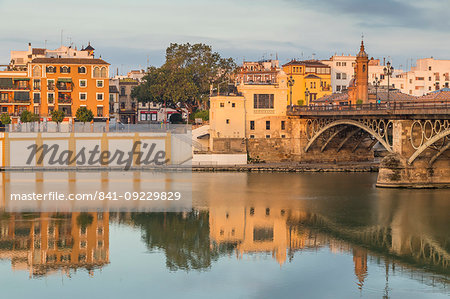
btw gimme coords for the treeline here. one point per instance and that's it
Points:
(185, 77)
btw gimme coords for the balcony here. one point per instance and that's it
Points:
(65, 100)
(22, 97)
(63, 86)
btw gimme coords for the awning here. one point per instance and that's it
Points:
(21, 79)
(68, 80)
(204, 136)
(6, 83)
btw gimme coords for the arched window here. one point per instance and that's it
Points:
(36, 71)
(96, 72)
(64, 70)
(103, 72)
(51, 69)
(82, 70)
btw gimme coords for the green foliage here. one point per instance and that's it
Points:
(359, 102)
(203, 114)
(185, 76)
(26, 116)
(84, 219)
(300, 102)
(84, 114)
(176, 118)
(57, 116)
(5, 119)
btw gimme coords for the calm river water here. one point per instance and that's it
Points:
(248, 235)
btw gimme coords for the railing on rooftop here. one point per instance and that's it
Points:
(384, 106)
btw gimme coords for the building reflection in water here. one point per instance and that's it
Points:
(45, 243)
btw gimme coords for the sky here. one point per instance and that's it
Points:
(130, 34)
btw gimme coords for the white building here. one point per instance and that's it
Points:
(428, 75)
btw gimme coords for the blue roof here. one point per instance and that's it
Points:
(441, 90)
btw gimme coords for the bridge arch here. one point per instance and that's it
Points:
(351, 123)
(427, 144)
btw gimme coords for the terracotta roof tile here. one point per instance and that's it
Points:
(69, 61)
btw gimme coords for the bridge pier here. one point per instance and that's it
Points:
(419, 158)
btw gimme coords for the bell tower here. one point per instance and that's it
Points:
(362, 75)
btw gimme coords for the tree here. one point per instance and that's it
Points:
(185, 77)
(26, 116)
(176, 118)
(84, 114)
(57, 117)
(5, 119)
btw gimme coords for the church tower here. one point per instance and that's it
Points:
(362, 75)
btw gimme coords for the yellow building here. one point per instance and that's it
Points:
(310, 79)
(256, 110)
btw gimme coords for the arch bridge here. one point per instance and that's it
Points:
(415, 138)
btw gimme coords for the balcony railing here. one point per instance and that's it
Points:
(65, 100)
(65, 87)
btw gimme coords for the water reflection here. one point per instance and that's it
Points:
(273, 216)
(44, 243)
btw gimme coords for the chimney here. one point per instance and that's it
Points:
(384, 60)
(29, 47)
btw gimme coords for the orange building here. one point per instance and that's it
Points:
(57, 84)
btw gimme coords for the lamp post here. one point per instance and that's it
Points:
(388, 71)
(306, 95)
(376, 83)
(291, 82)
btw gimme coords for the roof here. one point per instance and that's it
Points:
(395, 96)
(38, 51)
(441, 94)
(316, 63)
(312, 76)
(69, 61)
(113, 89)
(334, 97)
(88, 48)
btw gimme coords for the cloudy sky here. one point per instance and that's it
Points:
(128, 32)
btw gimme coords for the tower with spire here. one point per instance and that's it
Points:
(361, 76)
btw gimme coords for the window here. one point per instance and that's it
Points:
(50, 110)
(263, 101)
(233, 105)
(267, 136)
(338, 75)
(96, 72)
(252, 136)
(283, 125)
(51, 69)
(83, 83)
(36, 97)
(64, 70)
(429, 68)
(267, 124)
(222, 105)
(228, 121)
(36, 84)
(338, 88)
(99, 96)
(100, 114)
(83, 96)
(429, 78)
(344, 76)
(122, 91)
(103, 72)
(252, 125)
(283, 136)
(51, 98)
(36, 71)
(36, 110)
(82, 70)
(51, 84)
(4, 97)
(344, 63)
(99, 83)
(338, 63)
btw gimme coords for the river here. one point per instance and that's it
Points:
(248, 235)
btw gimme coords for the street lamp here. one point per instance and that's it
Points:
(291, 82)
(388, 71)
(376, 83)
(306, 95)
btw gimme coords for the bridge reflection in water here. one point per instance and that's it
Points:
(405, 230)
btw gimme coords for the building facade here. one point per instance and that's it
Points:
(311, 79)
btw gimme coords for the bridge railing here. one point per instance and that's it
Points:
(387, 106)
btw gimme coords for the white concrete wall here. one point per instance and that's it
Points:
(219, 159)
